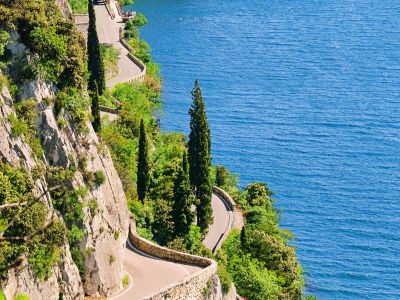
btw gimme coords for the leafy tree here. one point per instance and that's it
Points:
(96, 109)
(258, 194)
(182, 208)
(139, 20)
(163, 226)
(200, 158)
(95, 61)
(253, 281)
(143, 170)
(277, 256)
(222, 177)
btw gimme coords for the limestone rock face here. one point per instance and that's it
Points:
(65, 278)
(106, 230)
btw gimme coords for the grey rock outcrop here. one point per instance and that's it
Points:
(65, 277)
(107, 230)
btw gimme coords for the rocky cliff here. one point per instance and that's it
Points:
(105, 223)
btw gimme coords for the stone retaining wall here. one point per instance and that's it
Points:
(135, 60)
(110, 110)
(237, 213)
(191, 287)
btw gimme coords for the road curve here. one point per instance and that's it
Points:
(150, 274)
(108, 32)
(223, 217)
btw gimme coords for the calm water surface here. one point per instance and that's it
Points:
(303, 95)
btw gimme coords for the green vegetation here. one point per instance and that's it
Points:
(99, 177)
(24, 123)
(4, 39)
(110, 57)
(22, 297)
(139, 20)
(97, 81)
(182, 207)
(57, 49)
(72, 101)
(25, 227)
(141, 49)
(125, 280)
(96, 123)
(200, 158)
(67, 199)
(126, 2)
(259, 259)
(143, 173)
(79, 6)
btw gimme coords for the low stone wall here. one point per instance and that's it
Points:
(191, 287)
(135, 60)
(110, 110)
(237, 213)
(225, 196)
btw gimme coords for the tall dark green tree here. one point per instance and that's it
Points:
(200, 158)
(182, 208)
(143, 170)
(96, 109)
(95, 61)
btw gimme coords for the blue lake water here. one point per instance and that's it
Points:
(303, 95)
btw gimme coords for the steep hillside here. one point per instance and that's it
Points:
(60, 185)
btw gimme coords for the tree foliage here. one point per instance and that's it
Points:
(57, 49)
(143, 171)
(182, 208)
(96, 109)
(95, 61)
(200, 158)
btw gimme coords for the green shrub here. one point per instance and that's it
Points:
(110, 57)
(4, 39)
(139, 20)
(93, 207)
(2, 296)
(79, 259)
(125, 280)
(73, 101)
(79, 6)
(225, 278)
(126, 2)
(99, 177)
(42, 251)
(18, 127)
(57, 47)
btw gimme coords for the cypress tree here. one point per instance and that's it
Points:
(95, 61)
(96, 109)
(200, 158)
(182, 208)
(143, 170)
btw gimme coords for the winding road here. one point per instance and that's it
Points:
(223, 218)
(108, 32)
(148, 274)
